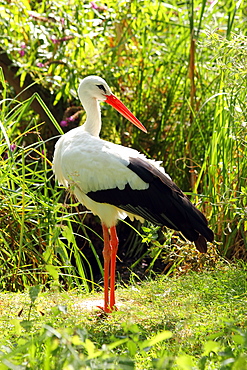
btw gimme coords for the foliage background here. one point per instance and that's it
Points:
(180, 67)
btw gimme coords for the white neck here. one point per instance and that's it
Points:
(93, 121)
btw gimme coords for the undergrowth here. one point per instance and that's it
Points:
(181, 69)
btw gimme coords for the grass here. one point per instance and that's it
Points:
(196, 120)
(196, 321)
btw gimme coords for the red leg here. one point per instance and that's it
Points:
(107, 259)
(114, 248)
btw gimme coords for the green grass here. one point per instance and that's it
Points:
(181, 70)
(198, 319)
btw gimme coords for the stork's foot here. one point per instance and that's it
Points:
(105, 311)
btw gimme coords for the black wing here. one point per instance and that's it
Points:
(163, 203)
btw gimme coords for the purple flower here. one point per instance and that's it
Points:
(93, 5)
(57, 41)
(64, 123)
(54, 40)
(100, 8)
(12, 147)
(71, 118)
(40, 65)
(22, 51)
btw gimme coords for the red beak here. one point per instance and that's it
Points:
(121, 108)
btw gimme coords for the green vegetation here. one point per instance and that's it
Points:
(181, 68)
(197, 321)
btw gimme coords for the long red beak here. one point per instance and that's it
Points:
(121, 108)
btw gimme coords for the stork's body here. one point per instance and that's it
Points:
(114, 181)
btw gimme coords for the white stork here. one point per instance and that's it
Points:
(114, 182)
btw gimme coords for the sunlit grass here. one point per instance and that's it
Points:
(200, 316)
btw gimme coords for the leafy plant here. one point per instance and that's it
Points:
(180, 65)
(33, 251)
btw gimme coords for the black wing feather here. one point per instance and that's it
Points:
(163, 203)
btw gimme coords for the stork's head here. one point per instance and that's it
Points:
(94, 87)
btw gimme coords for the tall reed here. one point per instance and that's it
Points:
(180, 67)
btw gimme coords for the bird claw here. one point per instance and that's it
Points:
(104, 312)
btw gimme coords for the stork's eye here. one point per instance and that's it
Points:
(102, 87)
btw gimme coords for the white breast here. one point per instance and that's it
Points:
(87, 163)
